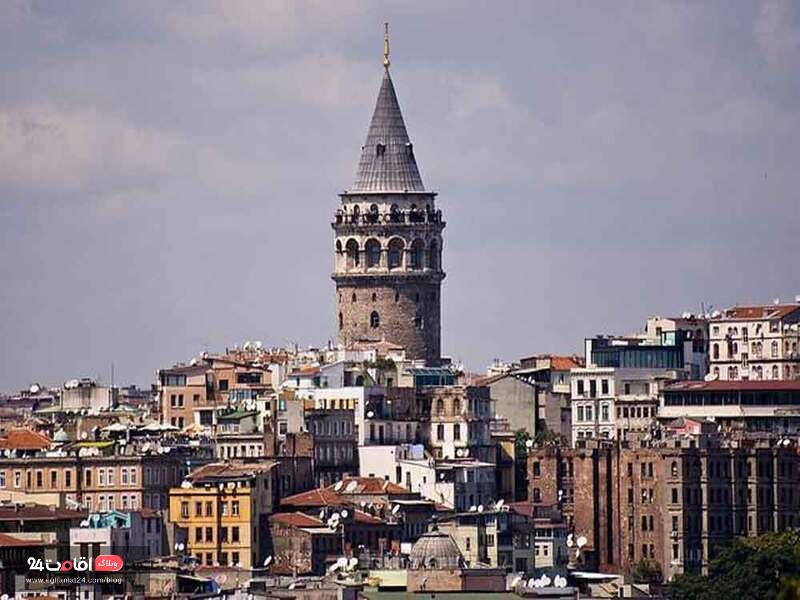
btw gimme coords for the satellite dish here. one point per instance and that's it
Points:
(351, 487)
(531, 582)
(466, 451)
(459, 453)
(480, 508)
(395, 509)
(338, 485)
(292, 585)
(342, 561)
(344, 513)
(180, 547)
(560, 582)
(499, 503)
(570, 541)
(529, 443)
(473, 508)
(582, 541)
(353, 563)
(441, 476)
(34, 389)
(546, 581)
(370, 414)
(268, 560)
(321, 514)
(84, 435)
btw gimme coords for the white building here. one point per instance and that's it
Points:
(756, 342)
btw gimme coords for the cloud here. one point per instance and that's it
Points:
(777, 33)
(46, 147)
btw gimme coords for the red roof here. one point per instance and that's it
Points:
(349, 486)
(742, 385)
(564, 363)
(296, 519)
(11, 541)
(25, 439)
(38, 512)
(767, 311)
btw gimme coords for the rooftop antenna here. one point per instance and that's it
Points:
(386, 61)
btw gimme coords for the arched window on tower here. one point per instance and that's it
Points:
(374, 320)
(440, 407)
(356, 214)
(373, 215)
(433, 255)
(417, 250)
(373, 250)
(396, 248)
(353, 259)
(394, 213)
(341, 321)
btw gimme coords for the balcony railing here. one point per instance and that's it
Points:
(398, 217)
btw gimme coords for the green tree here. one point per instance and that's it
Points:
(646, 571)
(764, 567)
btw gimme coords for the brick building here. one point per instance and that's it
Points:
(671, 503)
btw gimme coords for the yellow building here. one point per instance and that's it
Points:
(223, 508)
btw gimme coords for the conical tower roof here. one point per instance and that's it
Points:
(387, 161)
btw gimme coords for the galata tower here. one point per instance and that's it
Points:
(388, 248)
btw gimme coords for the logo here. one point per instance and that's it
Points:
(103, 562)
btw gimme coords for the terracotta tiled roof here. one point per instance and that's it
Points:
(564, 363)
(25, 439)
(304, 371)
(228, 471)
(359, 516)
(767, 311)
(296, 519)
(11, 541)
(38, 512)
(350, 486)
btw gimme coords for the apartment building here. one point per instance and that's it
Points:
(673, 503)
(223, 508)
(756, 342)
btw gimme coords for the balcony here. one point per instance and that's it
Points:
(398, 217)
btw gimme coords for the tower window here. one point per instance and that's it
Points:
(396, 247)
(353, 297)
(433, 255)
(373, 249)
(374, 296)
(353, 259)
(380, 149)
(396, 296)
(416, 297)
(341, 321)
(418, 322)
(416, 254)
(374, 320)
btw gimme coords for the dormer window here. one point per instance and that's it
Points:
(380, 149)
(410, 149)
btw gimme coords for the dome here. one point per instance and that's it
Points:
(435, 550)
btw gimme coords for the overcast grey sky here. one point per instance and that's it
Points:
(168, 170)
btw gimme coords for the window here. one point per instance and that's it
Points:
(674, 495)
(351, 254)
(124, 476)
(198, 509)
(209, 534)
(198, 534)
(774, 349)
(589, 413)
(580, 413)
(604, 409)
(433, 255)
(235, 558)
(417, 247)
(456, 431)
(440, 432)
(396, 248)
(604, 387)
(209, 509)
(101, 477)
(373, 250)
(223, 534)
(374, 320)
(580, 387)
(53, 478)
(235, 535)
(537, 469)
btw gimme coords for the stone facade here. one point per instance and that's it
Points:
(388, 246)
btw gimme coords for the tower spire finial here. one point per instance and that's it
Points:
(386, 61)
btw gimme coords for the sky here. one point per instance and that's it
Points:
(169, 171)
